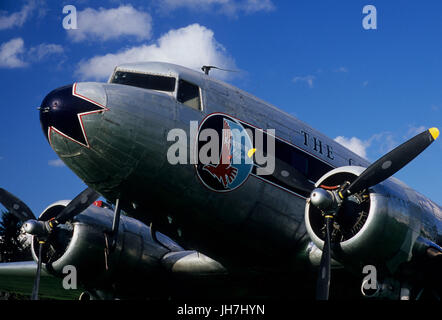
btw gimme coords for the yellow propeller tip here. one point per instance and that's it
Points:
(434, 132)
(251, 152)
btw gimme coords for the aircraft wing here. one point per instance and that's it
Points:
(18, 277)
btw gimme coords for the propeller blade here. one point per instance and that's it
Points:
(77, 205)
(14, 205)
(34, 295)
(392, 162)
(323, 282)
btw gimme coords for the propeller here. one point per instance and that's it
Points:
(323, 283)
(77, 205)
(392, 162)
(36, 287)
(42, 229)
(329, 200)
(14, 205)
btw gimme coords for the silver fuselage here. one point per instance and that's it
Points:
(259, 225)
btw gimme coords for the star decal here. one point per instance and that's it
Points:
(62, 111)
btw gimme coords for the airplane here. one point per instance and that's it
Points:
(294, 208)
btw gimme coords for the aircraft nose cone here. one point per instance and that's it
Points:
(53, 107)
(62, 111)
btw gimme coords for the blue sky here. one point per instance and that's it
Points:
(372, 88)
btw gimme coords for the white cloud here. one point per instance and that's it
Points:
(229, 7)
(307, 79)
(43, 50)
(251, 6)
(354, 144)
(11, 53)
(413, 130)
(341, 69)
(16, 19)
(56, 163)
(192, 46)
(105, 24)
(14, 54)
(385, 142)
(310, 78)
(379, 143)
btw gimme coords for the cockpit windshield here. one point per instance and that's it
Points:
(146, 81)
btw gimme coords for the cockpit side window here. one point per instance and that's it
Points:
(189, 94)
(146, 81)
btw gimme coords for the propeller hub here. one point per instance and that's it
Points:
(36, 228)
(325, 200)
(321, 199)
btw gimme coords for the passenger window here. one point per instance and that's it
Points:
(189, 94)
(300, 162)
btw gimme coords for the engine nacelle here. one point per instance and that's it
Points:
(377, 227)
(81, 243)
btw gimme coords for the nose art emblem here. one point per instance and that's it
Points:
(63, 112)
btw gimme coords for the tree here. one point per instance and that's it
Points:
(14, 246)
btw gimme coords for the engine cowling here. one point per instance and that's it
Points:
(81, 243)
(379, 226)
